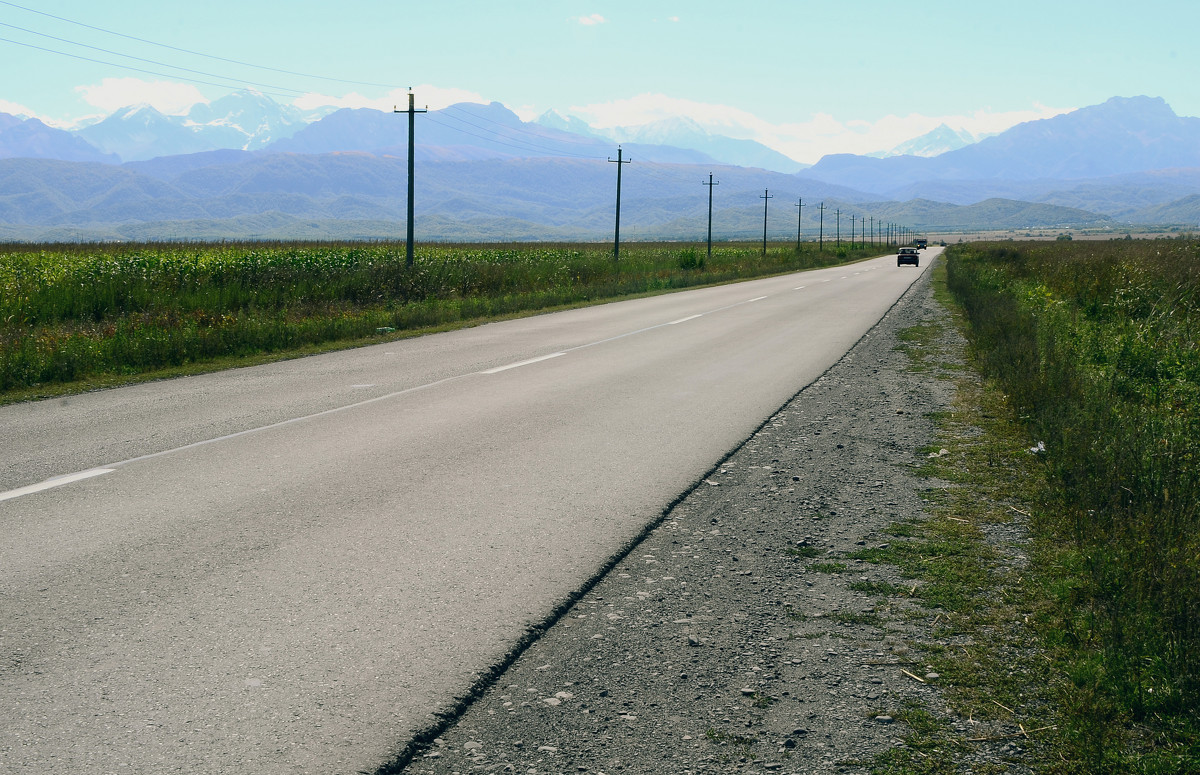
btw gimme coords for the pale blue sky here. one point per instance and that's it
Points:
(806, 77)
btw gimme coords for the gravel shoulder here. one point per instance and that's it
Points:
(736, 635)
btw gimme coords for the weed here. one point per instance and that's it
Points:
(877, 588)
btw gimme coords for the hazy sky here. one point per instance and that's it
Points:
(807, 78)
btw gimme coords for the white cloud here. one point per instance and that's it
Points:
(167, 97)
(433, 97)
(805, 141)
(592, 20)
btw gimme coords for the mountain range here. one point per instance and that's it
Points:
(246, 167)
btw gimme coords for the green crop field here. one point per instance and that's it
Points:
(72, 313)
(1097, 346)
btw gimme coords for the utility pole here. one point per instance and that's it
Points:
(710, 185)
(839, 226)
(412, 124)
(853, 218)
(799, 216)
(872, 231)
(821, 233)
(765, 196)
(617, 232)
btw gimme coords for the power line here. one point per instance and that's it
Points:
(189, 51)
(142, 59)
(130, 67)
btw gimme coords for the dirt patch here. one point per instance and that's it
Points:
(741, 634)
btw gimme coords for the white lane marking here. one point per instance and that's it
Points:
(365, 385)
(518, 364)
(683, 320)
(57, 481)
(290, 421)
(800, 288)
(335, 410)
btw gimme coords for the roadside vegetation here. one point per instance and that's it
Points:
(1061, 557)
(90, 313)
(1097, 347)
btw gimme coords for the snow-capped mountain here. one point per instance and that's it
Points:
(248, 119)
(141, 132)
(934, 143)
(552, 119)
(243, 120)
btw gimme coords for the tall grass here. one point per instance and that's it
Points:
(1098, 346)
(70, 312)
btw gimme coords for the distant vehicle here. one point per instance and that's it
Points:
(908, 256)
(921, 243)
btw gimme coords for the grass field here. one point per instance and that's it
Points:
(72, 313)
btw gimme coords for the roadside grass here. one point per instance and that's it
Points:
(974, 601)
(1097, 350)
(1054, 644)
(77, 317)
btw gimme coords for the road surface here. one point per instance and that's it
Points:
(288, 568)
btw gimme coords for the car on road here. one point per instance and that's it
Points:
(921, 243)
(908, 256)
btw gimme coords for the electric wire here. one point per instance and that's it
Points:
(131, 67)
(197, 53)
(148, 61)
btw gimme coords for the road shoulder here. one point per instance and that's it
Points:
(749, 630)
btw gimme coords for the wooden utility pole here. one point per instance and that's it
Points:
(412, 124)
(765, 196)
(821, 233)
(799, 216)
(617, 232)
(710, 185)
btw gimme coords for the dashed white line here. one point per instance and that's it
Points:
(78, 476)
(57, 481)
(518, 364)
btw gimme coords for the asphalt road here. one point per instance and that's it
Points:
(286, 569)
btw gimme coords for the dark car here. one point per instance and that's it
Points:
(908, 256)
